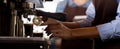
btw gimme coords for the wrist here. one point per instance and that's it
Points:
(72, 33)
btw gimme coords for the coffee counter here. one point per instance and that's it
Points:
(23, 43)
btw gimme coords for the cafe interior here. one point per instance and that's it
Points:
(22, 25)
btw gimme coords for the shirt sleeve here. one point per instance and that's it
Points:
(110, 30)
(90, 12)
(61, 6)
(85, 5)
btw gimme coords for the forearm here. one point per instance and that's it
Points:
(71, 25)
(89, 32)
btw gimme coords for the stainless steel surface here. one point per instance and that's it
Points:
(37, 21)
(21, 39)
(23, 43)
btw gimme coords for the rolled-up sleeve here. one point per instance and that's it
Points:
(61, 6)
(110, 30)
(90, 13)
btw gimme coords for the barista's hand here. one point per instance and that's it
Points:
(62, 31)
(51, 21)
(52, 24)
(58, 29)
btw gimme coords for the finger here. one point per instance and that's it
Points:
(51, 21)
(58, 26)
(57, 35)
(56, 31)
(51, 34)
(63, 26)
(53, 27)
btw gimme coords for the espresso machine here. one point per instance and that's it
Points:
(16, 33)
(12, 34)
(22, 9)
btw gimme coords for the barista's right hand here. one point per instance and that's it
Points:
(51, 22)
(58, 29)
